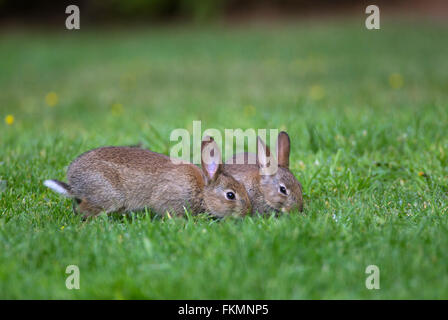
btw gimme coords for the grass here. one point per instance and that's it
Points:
(367, 115)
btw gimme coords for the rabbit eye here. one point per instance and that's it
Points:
(283, 190)
(230, 195)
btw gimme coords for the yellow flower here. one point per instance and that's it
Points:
(9, 119)
(63, 227)
(51, 99)
(316, 92)
(117, 109)
(249, 110)
(421, 174)
(396, 80)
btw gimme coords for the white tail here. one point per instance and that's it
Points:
(57, 187)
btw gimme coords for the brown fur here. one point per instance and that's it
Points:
(263, 190)
(122, 179)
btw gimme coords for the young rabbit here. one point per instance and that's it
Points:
(122, 179)
(276, 192)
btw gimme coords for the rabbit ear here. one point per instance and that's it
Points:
(263, 153)
(283, 148)
(211, 160)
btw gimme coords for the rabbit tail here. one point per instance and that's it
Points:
(59, 187)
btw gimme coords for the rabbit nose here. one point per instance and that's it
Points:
(293, 206)
(246, 206)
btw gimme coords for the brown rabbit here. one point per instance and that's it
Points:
(122, 179)
(276, 192)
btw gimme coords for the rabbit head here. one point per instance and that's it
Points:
(222, 194)
(281, 190)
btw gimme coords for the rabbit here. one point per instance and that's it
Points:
(277, 192)
(123, 179)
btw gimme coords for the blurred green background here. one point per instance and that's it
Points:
(366, 111)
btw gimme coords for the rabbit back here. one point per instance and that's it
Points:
(128, 179)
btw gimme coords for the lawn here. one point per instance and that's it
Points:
(367, 113)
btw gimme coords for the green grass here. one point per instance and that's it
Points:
(360, 147)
